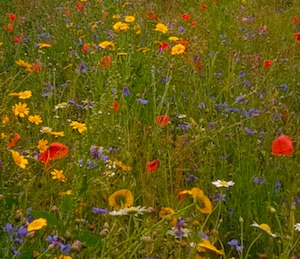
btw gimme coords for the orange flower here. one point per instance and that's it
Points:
(55, 151)
(151, 15)
(10, 27)
(162, 120)
(282, 146)
(14, 140)
(152, 166)
(116, 106)
(106, 62)
(268, 63)
(85, 47)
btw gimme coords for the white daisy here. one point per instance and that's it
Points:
(264, 227)
(221, 183)
(297, 227)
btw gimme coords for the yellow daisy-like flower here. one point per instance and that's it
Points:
(57, 133)
(137, 29)
(122, 54)
(81, 127)
(205, 245)
(173, 38)
(3, 135)
(202, 202)
(178, 49)
(58, 174)
(42, 145)
(124, 168)
(161, 28)
(166, 213)
(264, 227)
(20, 110)
(143, 49)
(5, 120)
(37, 224)
(44, 45)
(36, 119)
(68, 192)
(24, 64)
(116, 16)
(64, 256)
(106, 44)
(22, 95)
(129, 18)
(1, 43)
(120, 26)
(19, 160)
(121, 199)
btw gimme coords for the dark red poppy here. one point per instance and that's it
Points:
(14, 140)
(152, 166)
(162, 120)
(184, 42)
(85, 47)
(268, 63)
(186, 16)
(297, 36)
(203, 6)
(12, 17)
(116, 106)
(106, 62)
(295, 20)
(55, 151)
(162, 46)
(79, 6)
(282, 146)
(17, 38)
(151, 15)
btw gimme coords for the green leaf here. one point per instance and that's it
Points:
(67, 204)
(89, 239)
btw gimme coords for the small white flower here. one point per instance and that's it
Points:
(135, 210)
(297, 227)
(221, 183)
(121, 212)
(45, 130)
(61, 105)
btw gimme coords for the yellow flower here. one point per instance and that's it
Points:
(173, 38)
(202, 202)
(178, 49)
(19, 160)
(121, 199)
(116, 16)
(22, 95)
(122, 54)
(68, 192)
(120, 26)
(3, 135)
(42, 145)
(24, 64)
(57, 133)
(20, 109)
(129, 18)
(1, 43)
(44, 45)
(166, 213)
(37, 224)
(143, 49)
(81, 127)
(64, 256)
(36, 119)
(205, 245)
(161, 27)
(124, 168)
(137, 29)
(106, 44)
(58, 175)
(264, 227)
(61, 105)
(5, 120)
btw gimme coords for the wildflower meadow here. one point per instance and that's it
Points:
(160, 129)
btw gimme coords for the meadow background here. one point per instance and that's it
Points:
(117, 117)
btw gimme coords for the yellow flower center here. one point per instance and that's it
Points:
(265, 227)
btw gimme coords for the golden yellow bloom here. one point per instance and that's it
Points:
(81, 127)
(124, 168)
(58, 174)
(129, 18)
(64, 256)
(19, 160)
(137, 29)
(68, 192)
(57, 133)
(44, 45)
(178, 49)
(1, 43)
(121, 199)
(22, 95)
(205, 245)
(106, 44)
(3, 135)
(68, 66)
(173, 38)
(24, 64)
(36, 119)
(166, 213)
(202, 202)
(5, 120)
(161, 27)
(42, 145)
(143, 49)
(20, 109)
(120, 26)
(122, 54)
(37, 224)
(264, 227)
(116, 16)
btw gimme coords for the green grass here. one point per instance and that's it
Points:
(224, 117)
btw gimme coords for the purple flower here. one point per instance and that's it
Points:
(250, 131)
(82, 67)
(284, 87)
(235, 244)
(96, 151)
(126, 91)
(192, 178)
(259, 181)
(100, 211)
(231, 110)
(201, 105)
(277, 187)
(184, 127)
(142, 101)
(8, 228)
(219, 198)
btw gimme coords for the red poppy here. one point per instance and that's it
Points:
(106, 62)
(193, 24)
(116, 106)
(36, 68)
(162, 46)
(105, 14)
(186, 16)
(9, 27)
(67, 13)
(295, 20)
(268, 63)
(162, 120)
(203, 6)
(184, 42)
(282, 146)
(14, 140)
(151, 15)
(85, 47)
(12, 17)
(17, 38)
(297, 36)
(55, 151)
(152, 166)
(79, 6)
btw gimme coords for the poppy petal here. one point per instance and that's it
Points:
(282, 146)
